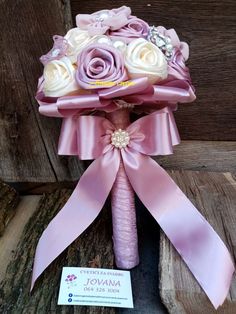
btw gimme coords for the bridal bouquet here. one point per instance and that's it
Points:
(110, 65)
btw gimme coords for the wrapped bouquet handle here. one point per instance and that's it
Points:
(113, 63)
(125, 237)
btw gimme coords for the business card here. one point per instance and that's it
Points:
(95, 287)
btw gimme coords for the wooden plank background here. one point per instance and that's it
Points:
(28, 141)
(18, 243)
(214, 196)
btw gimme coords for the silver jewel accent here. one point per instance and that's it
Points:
(161, 41)
(123, 104)
(120, 138)
(55, 52)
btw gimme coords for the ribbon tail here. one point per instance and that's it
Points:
(199, 245)
(68, 137)
(79, 212)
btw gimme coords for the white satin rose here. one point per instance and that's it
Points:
(144, 59)
(78, 39)
(59, 78)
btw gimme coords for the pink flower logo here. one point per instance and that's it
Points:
(71, 281)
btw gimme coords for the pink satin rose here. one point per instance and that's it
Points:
(175, 41)
(100, 66)
(177, 68)
(135, 28)
(178, 73)
(58, 50)
(100, 22)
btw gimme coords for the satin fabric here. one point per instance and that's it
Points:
(100, 63)
(135, 28)
(200, 247)
(114, 19)
(137, 91)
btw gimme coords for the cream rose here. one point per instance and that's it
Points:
(59, 78)
(142, 58)
(79, 39)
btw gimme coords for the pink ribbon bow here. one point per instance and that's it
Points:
(100, 22)
(201, 248)
(137, 91)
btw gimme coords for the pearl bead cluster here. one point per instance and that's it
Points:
(120, 138)
(104, 14)
(161, 41)
(118, 44)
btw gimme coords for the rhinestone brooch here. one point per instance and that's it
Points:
(120, 138)
(161, 41)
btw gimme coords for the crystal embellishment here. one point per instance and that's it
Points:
(120, 138)
(55, 52)
(161, 41)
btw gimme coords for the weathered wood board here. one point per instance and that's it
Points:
(201, 155)
(209, 27)
(92, 249)
(28, 141)
(214, 194)
(189, 155)
(9, 199)
(14, 230)
(87, 251)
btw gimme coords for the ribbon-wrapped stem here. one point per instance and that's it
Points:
(125, 238)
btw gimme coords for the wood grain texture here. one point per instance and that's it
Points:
(209, 27)
(214, 194)
(189, 155)
(9, 199)
(30, 219)
(201, 155)
(87, 251)
(28, 141)
(13, 231)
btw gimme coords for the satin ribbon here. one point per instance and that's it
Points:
(200, 247)
(137, 91)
